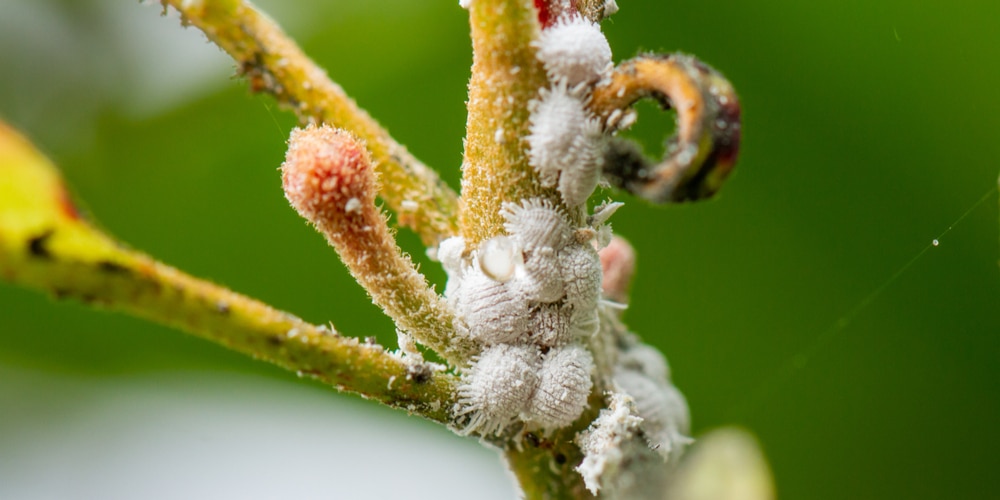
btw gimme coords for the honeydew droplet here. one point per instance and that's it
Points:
(498, 258)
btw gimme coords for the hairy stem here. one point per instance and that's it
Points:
(329, 179)
(545, 466)
(505, 76)
(46, 245)
(273, 63)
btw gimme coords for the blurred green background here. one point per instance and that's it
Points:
(870, 129)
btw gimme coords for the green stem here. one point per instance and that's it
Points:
(45, 245)
(273, 63)
(506, 75)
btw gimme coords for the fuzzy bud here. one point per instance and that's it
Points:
(618, 266)
(328, 177)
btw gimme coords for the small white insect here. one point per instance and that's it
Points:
(598, 222)
(563, 387)
(494, 312)
(549, 326)
(535, 223)
(581, 270)
(579, 181)
(664, 411)
(566, 144)
(574, 51)
(498, 386)
(541, 278)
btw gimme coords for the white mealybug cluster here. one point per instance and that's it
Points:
(643, 374)
(566, 141)
(521, 297)
(644, 425)
(606, 442)
(499, 386)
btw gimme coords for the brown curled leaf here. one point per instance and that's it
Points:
(700, 155)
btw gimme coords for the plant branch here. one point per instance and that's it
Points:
(545, 465)
(273, 63)
(47, 246)
(506, 75)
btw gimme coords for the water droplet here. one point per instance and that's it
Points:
(935, 242)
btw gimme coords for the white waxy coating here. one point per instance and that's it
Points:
(580, 266)
(565, 139)
(499, 258)
(604, 211)
(664, 411)
(536, 224)
(574, 51)
(584, 323)
(449, 253)
(578, 182)
(646, 359)
(541, 278)
(605, 442)
(549, 326)
(498, 386)
(494, 312)
(563, 387)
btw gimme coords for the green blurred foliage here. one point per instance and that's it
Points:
(870, 128)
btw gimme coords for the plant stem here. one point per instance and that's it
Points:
(47, 246)
(506, 75)
(273, 63)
